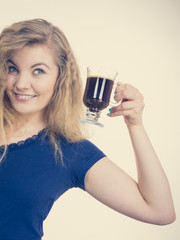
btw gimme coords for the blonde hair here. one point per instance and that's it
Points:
(65, 107)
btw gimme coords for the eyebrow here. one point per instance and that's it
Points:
(10, 61)
(35, 65)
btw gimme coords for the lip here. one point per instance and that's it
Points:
(16, 93)
(28, 97)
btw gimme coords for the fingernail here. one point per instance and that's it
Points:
(119, 83)
(108, 114)
(110, 109)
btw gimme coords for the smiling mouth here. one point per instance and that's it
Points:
(23, 97)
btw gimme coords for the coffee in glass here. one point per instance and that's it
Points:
(97, 92)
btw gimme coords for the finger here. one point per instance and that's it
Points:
(119, 87)
(127, 105)
(125, 94)
(132, 113)
(121, 113)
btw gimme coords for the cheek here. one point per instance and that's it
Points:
(45, 88)
(46, 84)
(8, 88)
(10, 82)
(8, 93)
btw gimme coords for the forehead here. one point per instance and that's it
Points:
(34, 53)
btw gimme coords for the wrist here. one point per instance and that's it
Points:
(135, 127)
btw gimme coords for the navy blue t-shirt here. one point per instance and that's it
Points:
(31, 181)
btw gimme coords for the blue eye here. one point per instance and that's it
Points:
(38, 71)
(12, 69)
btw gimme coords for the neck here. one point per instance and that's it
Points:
(27, 125)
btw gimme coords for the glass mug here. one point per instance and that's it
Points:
(97, 95)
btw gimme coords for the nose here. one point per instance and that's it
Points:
(22, 82)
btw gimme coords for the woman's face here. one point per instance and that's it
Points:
(31, 79)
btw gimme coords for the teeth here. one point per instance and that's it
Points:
(25, 96)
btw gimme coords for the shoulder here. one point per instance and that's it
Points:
(80, 157)
(82, 148)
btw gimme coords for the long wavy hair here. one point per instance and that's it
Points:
(65, 108)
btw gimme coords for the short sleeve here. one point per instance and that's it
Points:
(85, 155)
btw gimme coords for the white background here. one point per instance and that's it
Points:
(141, 39)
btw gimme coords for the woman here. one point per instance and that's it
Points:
(43, 150)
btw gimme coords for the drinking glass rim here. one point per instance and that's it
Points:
(102, 71)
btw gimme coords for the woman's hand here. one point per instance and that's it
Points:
(131, 106)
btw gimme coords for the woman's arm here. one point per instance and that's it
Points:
(149, 199)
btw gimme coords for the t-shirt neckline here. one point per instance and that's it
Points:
(25, 141)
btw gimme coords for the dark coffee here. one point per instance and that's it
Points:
(97, 93)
